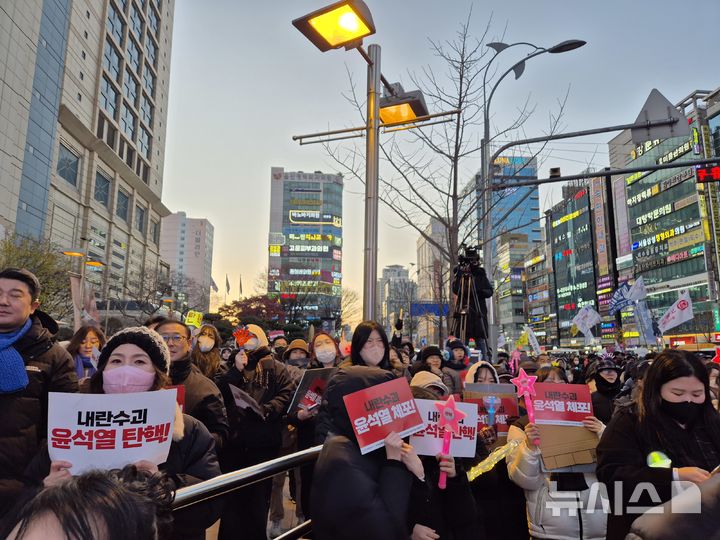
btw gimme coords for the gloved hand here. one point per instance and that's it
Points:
(399, 325)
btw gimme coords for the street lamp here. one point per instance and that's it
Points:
(345, 24)
(518, 68)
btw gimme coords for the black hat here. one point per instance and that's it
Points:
(148, 340)
(430, 350)
(24, 275)
(455, 344)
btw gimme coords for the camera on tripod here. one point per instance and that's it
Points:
(468, 258)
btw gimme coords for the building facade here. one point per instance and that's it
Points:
(84, 113)
(186, 244)
(539, 287)
(397, 292)
(671, 233)
(431, 308)
(305, 244)
(512, 252)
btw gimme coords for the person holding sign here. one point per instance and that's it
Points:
(671, 433)
(356, 496)
(257, 390)
(31, 366)
(559, 505)
(136, 359)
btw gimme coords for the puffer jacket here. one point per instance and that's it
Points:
(550, 513)
(23, 422)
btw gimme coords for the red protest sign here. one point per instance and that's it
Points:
(377, 411)
(562, 404)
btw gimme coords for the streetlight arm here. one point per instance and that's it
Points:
(369, 61)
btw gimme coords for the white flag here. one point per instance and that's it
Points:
(532, 338)
(681, 311)
(585, 319)
(501, 340)
(637, 291)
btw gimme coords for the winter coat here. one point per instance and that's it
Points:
(685, 516)
(450, 512)
(622, 457)
(202, 399)
(603, 406)
(191, 460)
(23, 421)
(553, 514)
(356, 496)
(272, 388)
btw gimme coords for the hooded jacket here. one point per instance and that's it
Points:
(23, 422)
(553, 512)
(355, 496)
(202, 399)
(470, 375)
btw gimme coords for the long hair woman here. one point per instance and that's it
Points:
(84, 347)
(671, 433)
(369, 347)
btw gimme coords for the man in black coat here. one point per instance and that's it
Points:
(203, 400)
(31, 365)
(472, 288)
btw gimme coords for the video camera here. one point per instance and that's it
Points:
(468, 257)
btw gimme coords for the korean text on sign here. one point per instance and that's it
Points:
(429, 441)
(377, 411)
(562, 404)
(100, 431)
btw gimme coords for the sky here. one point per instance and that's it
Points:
(244, 81)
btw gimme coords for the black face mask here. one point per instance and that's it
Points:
(298, 362)
(279, 351)
(605, 387)
(685, 412)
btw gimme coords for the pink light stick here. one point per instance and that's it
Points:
(450, 415)
(526, 387)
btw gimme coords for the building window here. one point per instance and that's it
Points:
(150, 50)
(140, 218)
(102, 189)
(153, 21)
(127, 122)
(133, 55)
(149, 81)
(136, 22)
(111, 60)
(108, 97)
(67, 165)
(146, 111)
(123, 205)
(130, 85)
(155, 231)
(115, 25)
(144, 143)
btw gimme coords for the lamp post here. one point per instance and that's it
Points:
(345, 24)
(86, 260)
(518, 68)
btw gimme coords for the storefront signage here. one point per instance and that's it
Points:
(676, 153)
(640, 149)
(688, 239)
(566, 218)
(654, 214)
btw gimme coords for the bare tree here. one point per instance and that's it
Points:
(351, 308)
(424, 169)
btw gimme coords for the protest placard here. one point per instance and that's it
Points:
(429, 441)
(502, 396)
(377, 411)
(243, 400)
(107, 431)
(309, 392)
(194, 318)
(562, 404)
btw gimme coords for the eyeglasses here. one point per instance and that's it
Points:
(176, 339)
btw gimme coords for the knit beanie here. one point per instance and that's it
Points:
(259, 333)
(431, 350)
(148, 340)
(456, 344)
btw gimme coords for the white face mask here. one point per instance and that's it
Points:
(251, 344)
(205, 343)
(326, 355)
(372, 356)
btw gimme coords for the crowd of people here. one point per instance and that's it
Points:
(662, 404)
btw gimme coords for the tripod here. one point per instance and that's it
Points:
(467, 299)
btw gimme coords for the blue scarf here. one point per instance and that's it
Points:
(13, 376)
(81, 364)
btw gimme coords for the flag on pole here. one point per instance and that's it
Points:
(532, 338)
(240, 283)
(213, 285)
(227, 284)
(620, 299)
(644, 321)
(681, 311)
(638, 291)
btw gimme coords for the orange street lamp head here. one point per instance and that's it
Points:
(73, 253)
(402, 106)
(341, 24)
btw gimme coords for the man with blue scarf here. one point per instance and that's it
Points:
(31, 365)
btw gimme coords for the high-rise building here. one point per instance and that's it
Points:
(433, 284)
(516, 209)
(397, 292)
(186, 244)
(83, 108)
(512, 251)
(305, 243)
(539, 289)
(670, 234)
